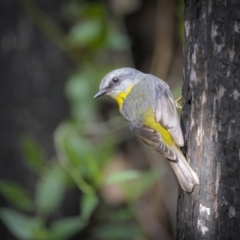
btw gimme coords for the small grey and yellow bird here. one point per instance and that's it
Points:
(147, 105)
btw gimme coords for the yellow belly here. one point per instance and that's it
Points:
(149, 121)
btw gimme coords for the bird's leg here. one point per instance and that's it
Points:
(177, 102)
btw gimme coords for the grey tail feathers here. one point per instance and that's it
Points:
(187, 178)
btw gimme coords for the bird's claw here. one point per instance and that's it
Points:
(177, 102)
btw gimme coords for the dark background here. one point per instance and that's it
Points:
(35, 68)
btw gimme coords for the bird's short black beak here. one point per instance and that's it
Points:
(100, 93)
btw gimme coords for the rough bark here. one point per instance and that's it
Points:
(211, 114)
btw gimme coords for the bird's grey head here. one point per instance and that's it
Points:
(118, 81)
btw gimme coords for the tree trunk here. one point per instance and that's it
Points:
(211, 120)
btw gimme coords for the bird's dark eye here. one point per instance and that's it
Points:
(115, 80)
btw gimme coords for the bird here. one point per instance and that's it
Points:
(147, 105)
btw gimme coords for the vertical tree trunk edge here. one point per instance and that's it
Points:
(211, 109)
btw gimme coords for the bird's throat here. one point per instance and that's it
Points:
(122, 96)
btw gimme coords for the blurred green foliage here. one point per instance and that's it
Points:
(83, 147)
(49, 193)
(78, 163)
(15, 194)
(33, 154)
(91, 42)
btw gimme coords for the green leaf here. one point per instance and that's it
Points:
(16, 195)
(65, 228)
(80, 92)
(88, 204)
(116, 232)
(77, 150)
(122, 215)
(32, 153)
(50, 190)
(20, 225)
(94, 10)
(117, 41)
(70, 11)
(77, 88)
(86, 33)
(134, 189)
(122, 176)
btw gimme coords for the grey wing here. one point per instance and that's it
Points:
(165, 111)
(152, 138)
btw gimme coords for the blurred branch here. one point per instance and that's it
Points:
(73, 173)
(158, 221)
(164, 39)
